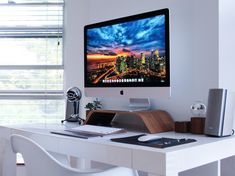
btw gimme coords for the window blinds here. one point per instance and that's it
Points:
(31, 62)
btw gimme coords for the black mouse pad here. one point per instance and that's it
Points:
(158, 143)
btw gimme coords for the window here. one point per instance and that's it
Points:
(31, 61)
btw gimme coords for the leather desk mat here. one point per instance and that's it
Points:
(158, 143)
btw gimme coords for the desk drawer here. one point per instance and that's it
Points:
(97, 152)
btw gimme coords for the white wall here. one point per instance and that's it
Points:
(194, 42)
(226, 44)
(75, 17)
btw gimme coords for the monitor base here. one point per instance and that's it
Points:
(139, 104)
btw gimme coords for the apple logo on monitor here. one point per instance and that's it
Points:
(121, 92)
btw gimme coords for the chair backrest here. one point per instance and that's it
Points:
(2, 153)
(38, 162)
(7, 157)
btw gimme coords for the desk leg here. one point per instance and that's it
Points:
(227, 166)
(218, 168)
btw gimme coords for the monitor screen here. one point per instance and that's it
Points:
(128, 52)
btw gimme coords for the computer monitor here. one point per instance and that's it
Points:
(128, 57)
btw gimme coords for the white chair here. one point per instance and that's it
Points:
(7, 158)
(38, 162)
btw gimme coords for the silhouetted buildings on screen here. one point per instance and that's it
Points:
(147, 67)
(153, 62)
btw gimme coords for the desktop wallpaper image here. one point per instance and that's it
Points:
(129, 52)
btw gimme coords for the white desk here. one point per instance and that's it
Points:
(160, 162)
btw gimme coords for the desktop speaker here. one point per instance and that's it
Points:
(220, 113)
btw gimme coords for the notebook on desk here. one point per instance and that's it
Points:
(73, 134)
(86, 131)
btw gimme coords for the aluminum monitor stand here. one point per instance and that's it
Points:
(139, 104)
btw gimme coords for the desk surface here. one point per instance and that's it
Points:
(169, 161)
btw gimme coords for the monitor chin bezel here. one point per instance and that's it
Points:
(129, 92)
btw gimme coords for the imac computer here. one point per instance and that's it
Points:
(128, 57)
